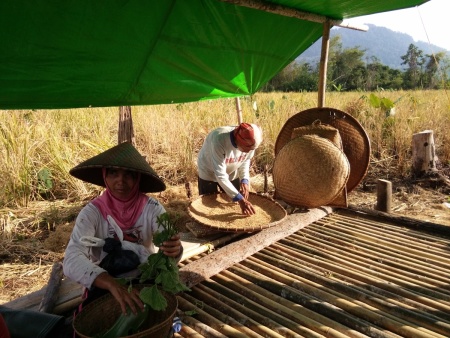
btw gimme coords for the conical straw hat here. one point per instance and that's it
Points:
(310, 171)
(355, 142)
(122, 156)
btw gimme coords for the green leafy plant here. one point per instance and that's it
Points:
(163, 270)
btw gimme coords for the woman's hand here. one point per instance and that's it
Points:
(172, 247)
(120, 293)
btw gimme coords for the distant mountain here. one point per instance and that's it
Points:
(388, 46)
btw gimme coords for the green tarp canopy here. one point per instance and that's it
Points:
(98, 53)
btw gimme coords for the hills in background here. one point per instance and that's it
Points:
(385, 44)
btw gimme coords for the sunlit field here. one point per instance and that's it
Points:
(39, 147)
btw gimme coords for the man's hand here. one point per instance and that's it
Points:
(246, 207)
(245, 190)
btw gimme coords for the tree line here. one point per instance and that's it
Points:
(349, 70)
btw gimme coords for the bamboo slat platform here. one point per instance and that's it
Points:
(320, 273)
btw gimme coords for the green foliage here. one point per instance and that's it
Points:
(380, 102)
(128, 324)
(152, 295)
(45, 181)
(414, 59)
(350, 69)
(163, 270)
(338, 88)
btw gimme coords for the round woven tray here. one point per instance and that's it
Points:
(310, 171)
(100, 315)
(355, 142)
(219, 212)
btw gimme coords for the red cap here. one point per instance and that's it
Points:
(244, 132)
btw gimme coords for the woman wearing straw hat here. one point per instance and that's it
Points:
(224, 162)
(122, 212)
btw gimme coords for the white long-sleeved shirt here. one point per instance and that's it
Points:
(219, 160)
(81, 262)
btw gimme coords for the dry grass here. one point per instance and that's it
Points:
(33, 143)
(35, 223)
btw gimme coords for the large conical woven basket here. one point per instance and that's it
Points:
(219, 212)
(329, 132)
(355, 142)
(100, 315)
(310, 171)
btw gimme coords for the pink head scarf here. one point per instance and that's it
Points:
(125, 213)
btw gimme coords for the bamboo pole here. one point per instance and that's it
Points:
(203, 329)
(324, 63)
(209, 316)
(293, 13)
(404, 248)
(273, 259)
(186, 331)
(372, 257)
(283, 284)
(395, 283)
(238, 110)
(125, 129)
(258, 300)
(235, 310)
(256, 285)
(343, 265)
(395, 231)
(430, 227)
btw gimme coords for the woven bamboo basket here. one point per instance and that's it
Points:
(329, 132)
(310, 171)
(100, 315)
(355, 142)
(219, 212)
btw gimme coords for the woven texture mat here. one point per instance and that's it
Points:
(218, 212)
(355, 142)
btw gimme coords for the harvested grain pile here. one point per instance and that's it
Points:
(219, 212)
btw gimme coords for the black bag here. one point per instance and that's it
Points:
(30, 323)
(118, 261)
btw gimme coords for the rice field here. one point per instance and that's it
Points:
(39, 147)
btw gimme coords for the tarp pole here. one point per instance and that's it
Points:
(294, 13)
(324, 63)
(239, 110)
(125, 130)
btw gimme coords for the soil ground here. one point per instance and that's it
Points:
(34, 238)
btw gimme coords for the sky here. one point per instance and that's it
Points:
(427, 22)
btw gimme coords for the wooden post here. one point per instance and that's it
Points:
(423, 153)
(239, 110)
(324, 63)
(126, 131)
(384, 196)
